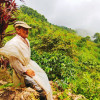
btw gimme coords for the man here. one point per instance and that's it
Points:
(26, 71)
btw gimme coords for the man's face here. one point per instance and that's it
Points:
(23, 32)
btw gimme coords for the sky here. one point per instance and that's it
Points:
(81, 15)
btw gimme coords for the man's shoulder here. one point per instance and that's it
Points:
(12, 41)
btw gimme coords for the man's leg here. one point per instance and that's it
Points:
(18, 80)
(29, 82)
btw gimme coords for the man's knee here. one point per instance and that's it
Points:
(29, 82)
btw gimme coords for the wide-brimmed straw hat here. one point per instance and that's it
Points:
(21, 23)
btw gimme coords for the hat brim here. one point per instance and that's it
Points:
(23, 25)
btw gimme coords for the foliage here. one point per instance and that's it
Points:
(8, 9)
(6, 85)
(70, 60)
(32, 13)
(97, 37)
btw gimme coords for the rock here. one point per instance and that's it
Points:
(79, 97)
(2, 82)
(19, 94)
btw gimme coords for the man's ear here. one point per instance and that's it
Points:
(17, 29)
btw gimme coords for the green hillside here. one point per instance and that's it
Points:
(70, 60)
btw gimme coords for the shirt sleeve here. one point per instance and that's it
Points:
(16, 64)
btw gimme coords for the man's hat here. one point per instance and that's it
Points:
(21, 23)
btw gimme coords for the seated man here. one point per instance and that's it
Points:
(25, 70)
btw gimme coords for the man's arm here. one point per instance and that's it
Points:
(19, 68)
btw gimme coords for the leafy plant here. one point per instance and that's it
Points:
(8, 10)
(6, 85)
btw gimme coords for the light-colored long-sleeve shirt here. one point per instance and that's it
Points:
(17, 65)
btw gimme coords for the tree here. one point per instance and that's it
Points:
(88, 38)
(97, 37)
(8, 9)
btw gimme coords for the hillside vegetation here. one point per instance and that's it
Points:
(68, 59)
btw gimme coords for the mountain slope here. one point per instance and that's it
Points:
(70, 60)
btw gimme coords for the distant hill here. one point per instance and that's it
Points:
(68, 29)
(32, 13)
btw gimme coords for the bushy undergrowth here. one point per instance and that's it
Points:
(82, 78)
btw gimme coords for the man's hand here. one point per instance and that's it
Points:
(30, 73)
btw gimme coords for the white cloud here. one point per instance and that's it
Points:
(76, 14)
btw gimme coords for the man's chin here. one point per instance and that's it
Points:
(26, 36)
